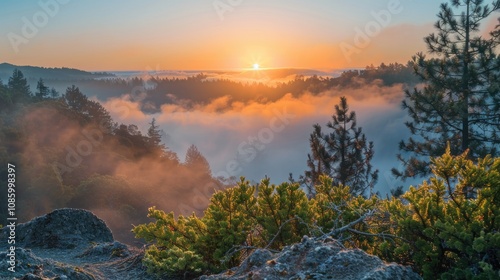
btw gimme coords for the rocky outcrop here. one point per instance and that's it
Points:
(75, 244)
(314, 259)
(63, 228)
(69, 244)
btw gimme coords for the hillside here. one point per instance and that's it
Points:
(35, 73)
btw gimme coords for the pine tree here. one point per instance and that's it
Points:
(89, 110)
(75, 98)
(317, 162)
(42, 89)
(344, 154)
(154, 134)
(196, 161)
(5, 98)
(18, 86)
(460, 101)
(156, 146)
(54, 93)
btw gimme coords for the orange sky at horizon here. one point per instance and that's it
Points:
(123, 35)
(235, 53)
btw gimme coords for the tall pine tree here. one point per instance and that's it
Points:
(18, 87)
(5, 98)
(460, 102)
(155, 144)
(344, 154)
(154, 135)
(42, 89)
(196, 161)
(318, 161)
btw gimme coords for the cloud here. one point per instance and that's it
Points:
(124, 108)
(238, 139)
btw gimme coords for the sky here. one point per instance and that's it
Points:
(212, 34)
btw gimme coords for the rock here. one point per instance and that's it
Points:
(63, 228)
(31, 267)
(31, 276)
(106, 251)
(70, 244)
(314, 259)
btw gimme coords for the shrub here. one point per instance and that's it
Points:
(448, 227)
(451, 222)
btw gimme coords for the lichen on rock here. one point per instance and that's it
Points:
(63, 228)
(315, 259)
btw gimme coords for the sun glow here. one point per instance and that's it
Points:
(255, 66)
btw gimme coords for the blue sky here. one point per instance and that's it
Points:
(175, 34)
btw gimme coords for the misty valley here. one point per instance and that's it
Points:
(74, 154)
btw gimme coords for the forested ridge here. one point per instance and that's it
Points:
(70, 153)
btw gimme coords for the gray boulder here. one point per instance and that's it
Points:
(69, 244)
(314, 259)
(63, 228)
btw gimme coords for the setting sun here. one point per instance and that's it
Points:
(255, 66)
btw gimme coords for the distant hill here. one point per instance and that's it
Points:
(48, 74)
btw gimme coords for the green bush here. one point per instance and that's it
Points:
(452, 221)
(446, 228)
(174, 252)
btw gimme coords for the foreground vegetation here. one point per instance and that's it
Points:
(445, 228)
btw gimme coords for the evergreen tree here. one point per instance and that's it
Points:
(18, 86)
(196, 161)
(75, 98)
(89, 110)
(460, 101)
(42, 89)
(53, 93)
(317, 162)
(156, 146)
(5, 98)
(154, 134)
(344, 154)
(99, 115)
